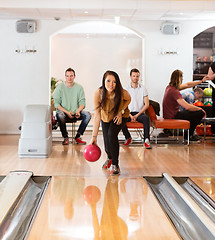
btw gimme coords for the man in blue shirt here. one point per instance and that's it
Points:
(191, 96)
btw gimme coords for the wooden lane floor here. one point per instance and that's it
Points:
(207, 184)
(91, 208)
(68, 163)
(175, 159)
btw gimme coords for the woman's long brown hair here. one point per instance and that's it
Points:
(176, 79)
(118, 91)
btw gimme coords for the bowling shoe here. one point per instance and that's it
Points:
(128, 141)
(147, 144)
(65, 141)
(107, 164)
(115, 170)
(79, 141)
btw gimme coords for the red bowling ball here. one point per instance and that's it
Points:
(92, 153)
(91, 194)
(198, 104)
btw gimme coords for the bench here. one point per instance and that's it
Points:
(138, 128)
(157, 123)
(168, 123)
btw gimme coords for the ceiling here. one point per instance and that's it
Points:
(127, 10)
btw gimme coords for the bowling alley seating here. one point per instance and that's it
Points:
(73, 130)
(70, 128)
(161, 123)
(138, 128)
(177, 124)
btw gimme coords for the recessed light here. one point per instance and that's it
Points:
(85, 12)
(117, 19)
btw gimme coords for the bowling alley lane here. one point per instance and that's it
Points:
(207, 184)
(98, 208)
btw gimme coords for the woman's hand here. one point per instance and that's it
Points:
(118, 119)
(93, 140)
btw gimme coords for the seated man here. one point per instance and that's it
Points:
(191, 95)
(138, 106)
(69, 100)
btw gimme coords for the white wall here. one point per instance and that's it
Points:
(91, 57)
(25, 78)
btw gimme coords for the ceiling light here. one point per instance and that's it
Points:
(117, 19)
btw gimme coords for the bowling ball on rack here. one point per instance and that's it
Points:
(91, 194)
(208, 103)
(207, 92)
(198, 103)
(92, 153)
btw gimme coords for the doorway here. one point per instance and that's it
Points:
(203, 51)
(91, 48)
(203, 56)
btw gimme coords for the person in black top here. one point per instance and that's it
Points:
(211, 75)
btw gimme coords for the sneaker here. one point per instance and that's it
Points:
(79, 141)
(65, 141)
(128, 141)
(147, 144)
(163, 135)
(107, 164)
(115, 170)
(195, 139)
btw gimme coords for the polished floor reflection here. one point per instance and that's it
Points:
(113, 208)
(84, 202)
(207, 184)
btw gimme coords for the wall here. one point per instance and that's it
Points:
(159, 67)
(25, 78)
(91, 57)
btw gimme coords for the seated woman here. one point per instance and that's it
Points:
(173, 100)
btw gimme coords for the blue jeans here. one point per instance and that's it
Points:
(62, 119)
(144, 119)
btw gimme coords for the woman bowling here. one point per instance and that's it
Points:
(111, 109)
(173, 100)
